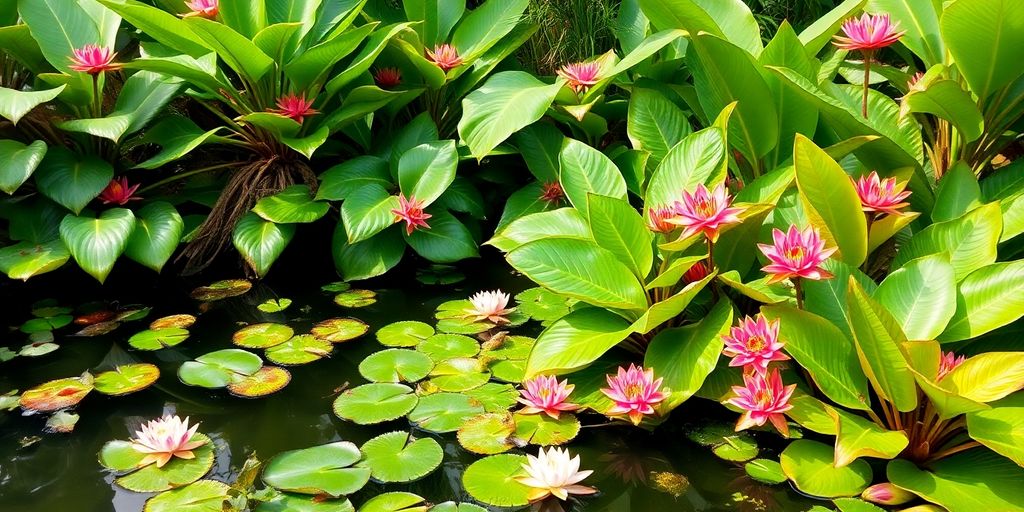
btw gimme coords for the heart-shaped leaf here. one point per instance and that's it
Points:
(72, 180)
(96, 243)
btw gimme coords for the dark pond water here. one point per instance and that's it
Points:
(60, 471)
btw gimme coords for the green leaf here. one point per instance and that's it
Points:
(541, 429)
(339, 330)
(394, 502)
(438, 18)
(492, 480)
(301, 349)
(665, 310)
(575, 341)
(176, 473)
(367, 211)
(655, 124)
(728, 19)
(368, 258)
(970, 241)
(448, 240)
(987, 377)
(921, 296)
(987, 299)
(488, 433)
(685, 356)
(161, 25)
(982, 36)
(830, 201)
(819, 34)
(694, 161)
(947, 100)
(375, 403)
(72, 180)
(26, 259)
(827, 297)
(809, 465)
(144, 95)
(263, 335)
(857, 437)
(177, 136)
(308, 68)
(958, 193)
(324, 469)
(220, 368)
(126, 379)
(973, 480)
(878, 339)
(17, 40)
(365, 58)
(395, 457)
(158, 230)
(340, 181)
(156, 339)
(1001, 428)
(507, 102)
(201, 496)
(18, 162)
(560, 223)
(291, 205)
(444, 412)
(586, 171)
(395, 365)
(59, 27)
(96, 243)
(618, 228)
(235, 49)
(919, 19)
(795, 114)
(539, 145)
(425, 171)
(765, 470)
(485, 25)
(14, 104)
(261, 242)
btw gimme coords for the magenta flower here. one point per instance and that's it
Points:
(755, 342)
(445, 56)
(698, 271)
(387, 78)
(658, 219)
(552, 192)
(93, 59)
(948, 363)
(119, 192)
(204, 8)
(166, 438)
(796, 254)
(869, 33)
(295, 107)
(705, 212)
(634, 391)
(763, 399)
(885, 196)
(411, 211)
(886, 494)
(580, 76)
(544, 394)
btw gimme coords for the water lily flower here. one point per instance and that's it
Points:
(204, 8)
(119, 192)
(580, 76)
(948, 363)
(763, 399)
(754, 343)
(796, 254)
(544, 394)
(634, 391)
(705, 212)
(886, 494)
(490, 306)
(387, 78)
(869, 33)
(445, 56)
(877, 195)
(658, 219)
(698, 271)
(554, 473)
(93, 59)
(295, 107)
(166, 438)
(552, 192)
(411, 211)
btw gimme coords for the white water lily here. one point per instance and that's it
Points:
(489, 306)
(554, 473)
(166, 438)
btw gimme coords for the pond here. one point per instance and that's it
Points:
(634, 469)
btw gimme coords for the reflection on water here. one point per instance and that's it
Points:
(634, 470)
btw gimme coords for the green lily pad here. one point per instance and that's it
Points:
(45, 324)
(976, 479)
(98, 329)
(395, 365)
(61, 422)
(201, 496)
(451, 506)
(9, 400)
(355, 298)
(264, 335)
(286, 502)
(7, 354)
(37, 349)
(301, 349)
(326, 469)
(127, 378)
(462, 326)
(859, 505)
(56, 394)
(736, 449)
(41, 337)
(713, 434)
(220, 368)
(181, 321)
(765, 470)
(335, 287)
(120, 456)
(440, 347)
(176, 473)
(488, 433)
(495, 397)
(509, 347)
(458, 366)
(543, 430)
(492, 480)
(444, 412)
(375, 403)
(404, 334)
(221, 290)
(266, 380)
(543, 305)
(460, 382)
(49, 311)
(337, 330)
(158, 339)
(394, 457)
(509, 370)
(809, 465)
(274, 305)
(132, 313)
(394, 502)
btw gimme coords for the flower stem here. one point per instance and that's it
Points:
(798, 287)
(867, 82)
(956, 449)
(97, 100)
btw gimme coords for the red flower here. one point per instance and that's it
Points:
(698, 271)
(869, 33)
(93, 59)
(553, 192)
(411, 211)
(580, 75)
(387, 78)
(118, 192)
(204, 8)
(445, 56)
(295, 107)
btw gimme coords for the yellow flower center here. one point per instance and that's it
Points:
(755, 344)
(795, 253)
(705, 209)
(763, 397)
(633, 391)
(544, 393)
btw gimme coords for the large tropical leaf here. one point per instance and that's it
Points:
(143, 96)
(426, 171)
(919, 19)
(654, 123)
(72, 180)
(694, 161)
(988, 298)
(508, 101)
(59, 27)
(984, 36)
(728, 19)
(369, 258)
(921, 296)
(448, 240)
(617, 227)
(14, 104)
(970, 241)
(96, 243)
(237, 51)
(685, 356)
(368, 211)
(560, 223)
(158, 230)
(260, 242)
(18, 161)
(585, 171)
(576, 340)
(485, 25)
(977, 479)
(26, 259)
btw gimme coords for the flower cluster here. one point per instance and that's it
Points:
(754, 344)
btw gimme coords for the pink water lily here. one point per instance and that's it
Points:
(204, 8)
(634, 391)
(554, 473)
(166, 438)
(119, 192)
(411, 211)
(544, 394)
(796, 254)
(948, 363)
(878, 195)
(580, 76)
(445, 56)
(296, 107)
(763, 399)
(658, 219)
(552, 192)
(491, 306)
(754, 343)
(387, 78)
(705, 212)
(886, 494)
(869, 33)
(93, 59)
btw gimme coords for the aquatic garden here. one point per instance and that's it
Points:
(455, 256)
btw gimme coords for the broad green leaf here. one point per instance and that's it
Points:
(201, 72)
(654, 123)
(368, 258)
(158, 230)
(485, 25)
(96, 243)
(670, 276)
(324, 469)
(365, 58)
(685, 356)
(560, 223)
(878, 338)
(818, 34)
(59, 27)
(830, 201)
(18, 161)
(507, 102)
(618, 228)
(448, 240)
(14, 104)
(26, 259)
(858, 437)
(693, 161)
(977, 479)
(983, 37)
(395, 365)
(177, 136)
(921, 296)
(948, 404)
(988, 298)
(395, 457)
(201, 496)
(375, 403)
(970, 241)
(260, 242)
(887, 227)
(367, 211)
(728, 19)
(161, 25)
(426, 171)
(72, 180)
(586, 171)
(493, 480)
(234, 48)
(19, 44)
(290, 206)
(338, 182)
(438, 17)
(1007, 187)
(313, 65)
(947, 100)
(244, 16)
(987, 377)
(576, 340)
(144, 94)
(1001, 428)
(919, 19)
(444, 412)
(795, 114)
(665, 310)
(958, 193)
(809, 464)
(539, 144)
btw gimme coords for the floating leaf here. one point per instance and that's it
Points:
(395, 365)
(37, 349)
(285, 502)
(176, 473)
(158, 339)
(132, 313)
(221, 290)
(201, 496)
(337, 330)
(488, 433)
(7, 354)
(541, 429)
(451, 506)
(325, 469)
(335, 287)
(127, 378)
(509, 371)
(45, 324)
(765, 470)
(301, 349)
(274, 305)
(543, 305)
(49, 311)
(56, 394)
(809, 465)
(404, 334)
(974, 480)
(444, 412)
(440, 347)
(492, 480)
(494, 397)
(394, 502)
(375, 403)
(264, 335)
(41, 337)
(266, 380)
(61, 422)
(98, 329)
(355, 298)
(394, 457)
(220, 368)
(736, 449)
(509, 347)
(460, 382)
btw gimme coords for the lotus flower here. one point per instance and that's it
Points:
(658, 219)
(886, 494)
(697, 272)
(490, 306)
(869, 33)
(445, 56)
(204, 8)
(580, 76)
(93, 59)
(164, 439)
(948, 363)
(552, 192)
(755, 343)
(411, 211)
(883, 196)
(796, 254)
(119, 192)
(634, 391)
(544, 394)
(763, 399)
(705, 212)
(387, 78)
(295, 107)
(554, 473)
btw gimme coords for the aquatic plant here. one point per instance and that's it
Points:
(165, 438)
(554, 473)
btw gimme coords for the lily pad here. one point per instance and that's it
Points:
(460, 382)
(45, 324)
(355, 298)
(492, 480)
(61, 422)
(495, 397)
(37, 349)
(286, 502)
(266, 380)
(56, 394)
(509, 370)
(404, 334)
(132, 313)
(326, 469)
(765, 470)
(337, 330)
(122, 456)
(201, 496)
(509, 347)
(444, 412)
(41, 337)
(736, 449)
(46, 311)
(541, 429)
(446, 346)
(98, 329)
(451, 506)
(395, 365)
(158, 339)
(335, 287)
(181, 321)
(977, 479)
(264, 335)
(543, 305)
(394, 502)
(462, 326)
(127, 378)
(301, 349)
(221, 290)
(488, 433)
(394, 457)
(220, 368)
(375, 403)
(809, 465)
(274, 305)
